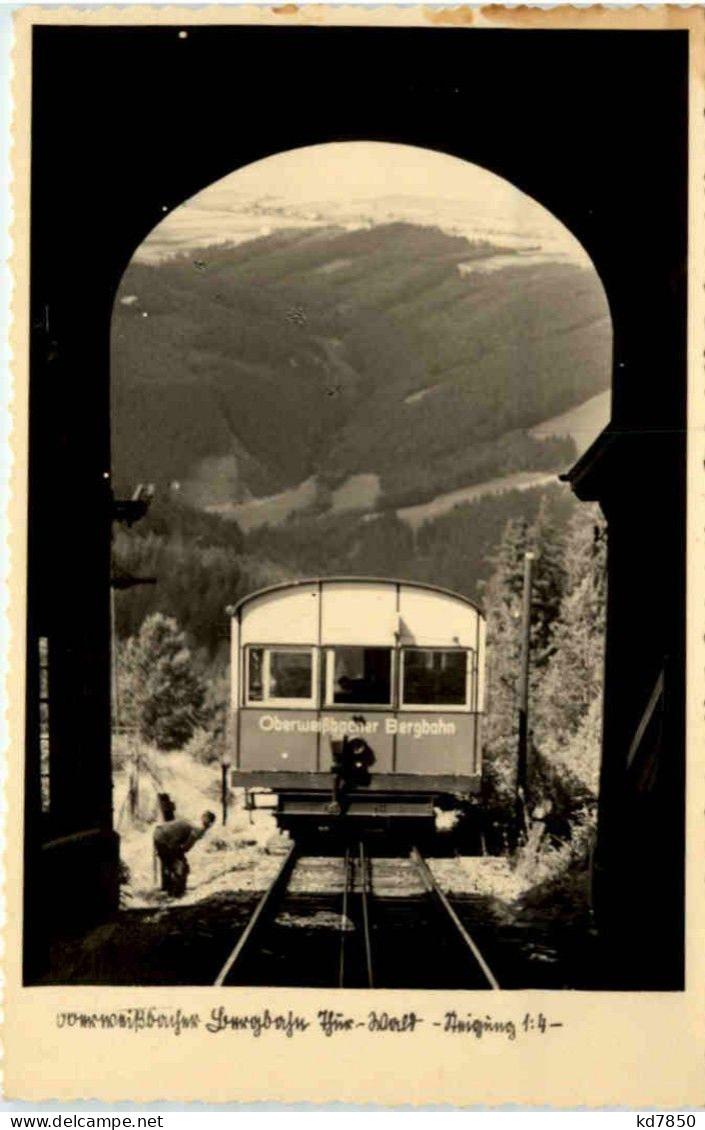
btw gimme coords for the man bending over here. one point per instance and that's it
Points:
(171, 842)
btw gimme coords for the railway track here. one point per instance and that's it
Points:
(362, 947)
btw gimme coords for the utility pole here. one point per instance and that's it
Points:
(224, 788)
(523, 750)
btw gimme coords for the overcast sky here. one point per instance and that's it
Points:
(354, 183)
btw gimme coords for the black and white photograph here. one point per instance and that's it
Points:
(365, 364)
(356, 539)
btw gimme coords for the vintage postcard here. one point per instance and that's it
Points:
(357, 543)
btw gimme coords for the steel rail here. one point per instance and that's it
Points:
(279, 880)
(432, 887)
(365, 889)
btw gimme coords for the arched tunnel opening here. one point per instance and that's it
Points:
(632, 471)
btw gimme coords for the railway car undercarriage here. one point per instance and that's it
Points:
(373, 811)
(355, 814)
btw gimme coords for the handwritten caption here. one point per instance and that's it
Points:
(330, 1022)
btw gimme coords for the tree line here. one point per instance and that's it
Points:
(202, 563)
(566, 666)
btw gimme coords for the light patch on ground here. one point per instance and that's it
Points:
(358, 492)
(189, 230)
(493, 263)
(242, 855)
(417, 397)
(333, 266)
(583, 423)
(320, 920)
(488, 876)
(270, 509)
(520, 480)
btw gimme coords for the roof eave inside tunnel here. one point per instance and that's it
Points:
(620, 462)
(587, 477)
(630, 467)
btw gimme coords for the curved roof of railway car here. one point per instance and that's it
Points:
(233, 609)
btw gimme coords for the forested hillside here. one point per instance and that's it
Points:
(454, 550)
(200, 565)
(203, 563)
(398, 350)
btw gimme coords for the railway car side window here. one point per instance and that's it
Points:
(279, 675)
(433, 677)
(358, 675)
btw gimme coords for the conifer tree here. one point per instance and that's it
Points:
(502, 595)
(503, 601)
(569, 697)
(549, 581)
(166, 694)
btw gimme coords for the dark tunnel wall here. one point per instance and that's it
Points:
(129, 121)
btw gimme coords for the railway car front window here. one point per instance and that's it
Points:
(290, 674)
(279, 675)
(434, 677)
(359, 675)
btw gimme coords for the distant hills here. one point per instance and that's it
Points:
(419, 360)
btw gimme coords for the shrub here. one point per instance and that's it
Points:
(204, 747)
(163, 691)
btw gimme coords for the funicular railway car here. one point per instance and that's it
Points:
(357, 701)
